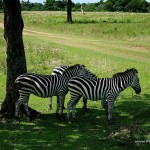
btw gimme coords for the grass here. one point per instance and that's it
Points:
(106, 43)
(106, 25)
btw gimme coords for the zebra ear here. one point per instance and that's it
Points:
(77, 65)
(82, 65)
(135, 71)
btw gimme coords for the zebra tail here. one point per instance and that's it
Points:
(16, 86)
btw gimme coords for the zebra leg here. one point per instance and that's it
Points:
(85, 105)
(105, 106)
(73, 109)
(61, 100)
(27, 111)
(23, 99)
(110, 109)
(17, 108)
(68, 109)
(71, 105)
(50, 103)
(57, 109)
(60, 107)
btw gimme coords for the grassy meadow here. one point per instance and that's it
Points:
(106, 43)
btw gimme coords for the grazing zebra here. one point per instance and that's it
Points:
(58, 70)
(106, 89)
(46, 86)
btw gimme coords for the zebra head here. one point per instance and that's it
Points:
(135, 81)
(78, 70)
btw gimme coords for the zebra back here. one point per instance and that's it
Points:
(127, 72)
(78, 70)
(99, 88)
(58, 70)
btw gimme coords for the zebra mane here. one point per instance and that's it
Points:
(72, 67)
(125, 72)
(93, 76)
(63, 66)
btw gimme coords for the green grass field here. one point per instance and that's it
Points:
(106, 43)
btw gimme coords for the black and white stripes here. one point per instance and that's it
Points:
(58, 70)
(80, 82)
(46, 86)
(106, 89)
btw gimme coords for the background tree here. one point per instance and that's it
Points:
(137, 6)
(127, 5)
(60, 5)
(108, 5)
(49, 4)
(1, 4)
(16, 61)
(69, 11)
(37, 7)
(26, 5)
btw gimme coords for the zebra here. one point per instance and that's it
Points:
(46, 86)
(106, 89)
(58, 70)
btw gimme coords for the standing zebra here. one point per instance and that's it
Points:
(46, 86)
(58, 70)
(106, 89)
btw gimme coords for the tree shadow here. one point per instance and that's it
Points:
(134, 122)
(92, 21)
(85, 21)
(92, 130)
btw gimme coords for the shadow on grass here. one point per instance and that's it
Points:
(100, 21)
(91, 131)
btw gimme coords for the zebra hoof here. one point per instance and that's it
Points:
(75, 119)
(110, 122)
(85, 109)
(17, 119)
(57, 116)
(60, 117)
(30, 118)
(106, 113)
(69, 121)
(63, 118)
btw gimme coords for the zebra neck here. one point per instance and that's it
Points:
(123, 83)
(69, 75)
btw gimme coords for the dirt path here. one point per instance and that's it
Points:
(66, 40)
(1, 25)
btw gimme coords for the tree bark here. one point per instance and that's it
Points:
(69, 11)
(16, 60)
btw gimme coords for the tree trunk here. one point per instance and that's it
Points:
(69, 11)
(16, 61)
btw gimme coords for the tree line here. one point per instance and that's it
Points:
(108, 5)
